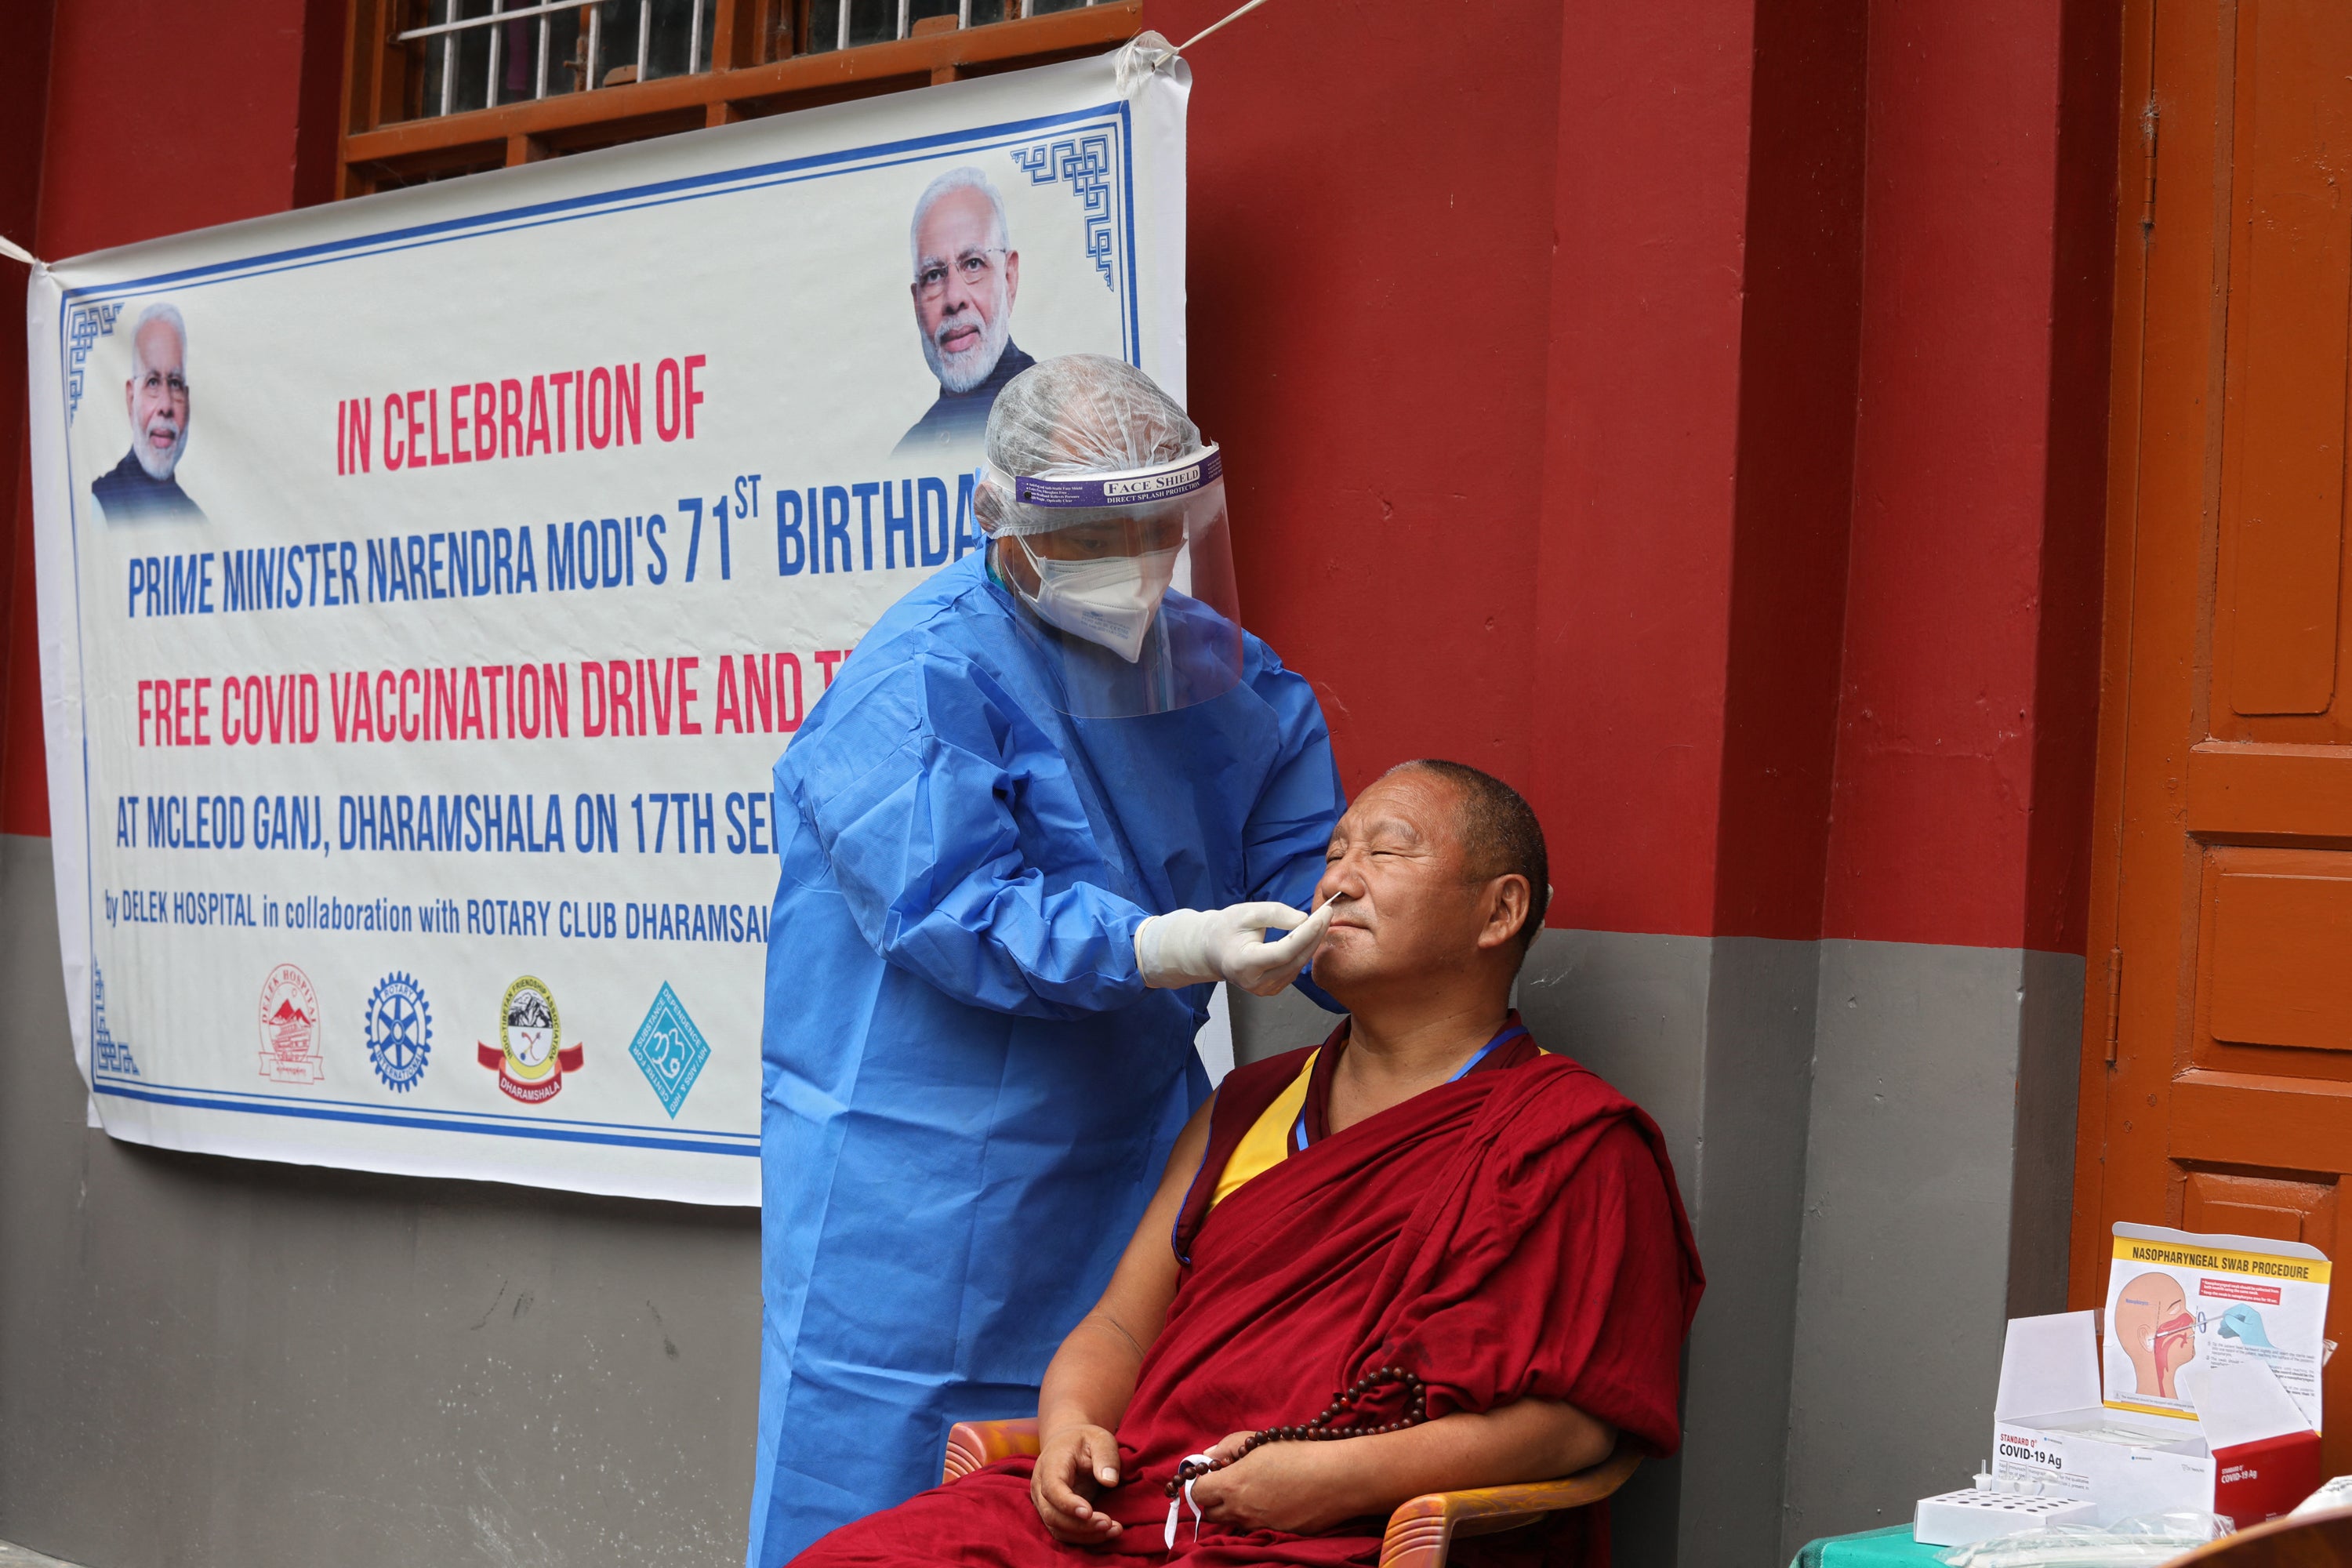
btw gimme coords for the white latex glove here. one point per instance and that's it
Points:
(1190, 947)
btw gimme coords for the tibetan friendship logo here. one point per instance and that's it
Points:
(289, 1028)
(530, 1057)
(399, 1031)
(669, 1050)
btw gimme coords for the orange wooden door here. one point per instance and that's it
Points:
(2217, 1074)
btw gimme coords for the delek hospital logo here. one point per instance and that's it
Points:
(399, 1031)
(669, 1050)
(107, 1053)
(530, 1055)
(289, 1028)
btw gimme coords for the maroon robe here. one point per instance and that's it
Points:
(1512, 1234)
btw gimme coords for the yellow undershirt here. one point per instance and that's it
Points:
(1268, 1143)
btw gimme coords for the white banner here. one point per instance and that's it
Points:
(428, 584)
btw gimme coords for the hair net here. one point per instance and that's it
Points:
(1073, 414)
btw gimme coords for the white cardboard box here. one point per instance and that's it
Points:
(2248, 1452)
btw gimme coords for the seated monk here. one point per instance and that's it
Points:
(1425, 1256)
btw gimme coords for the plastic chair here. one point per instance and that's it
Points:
(2315, 1540)
(1421, 1528)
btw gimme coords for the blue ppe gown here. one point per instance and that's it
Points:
(969, 1094)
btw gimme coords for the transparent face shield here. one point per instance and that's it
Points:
(1125, 582)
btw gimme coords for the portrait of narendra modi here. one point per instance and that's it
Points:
(144, 487)
(966, 276)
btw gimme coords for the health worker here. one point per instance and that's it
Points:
(1053, 794)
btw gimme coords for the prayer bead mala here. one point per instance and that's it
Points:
(1320, 1429)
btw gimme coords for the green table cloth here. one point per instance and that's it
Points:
(1889, 1548)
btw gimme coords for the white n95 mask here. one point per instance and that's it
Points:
(1109, 601)
(1143, 616)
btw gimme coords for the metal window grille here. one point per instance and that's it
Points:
(857, 22)
(477, 54)
(560, 38)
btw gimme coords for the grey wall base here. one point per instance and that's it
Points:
(1938, 1183)
(1713, 1037)
(210, 1362)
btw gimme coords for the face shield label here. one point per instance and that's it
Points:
(1128, 488)
(1153, 485)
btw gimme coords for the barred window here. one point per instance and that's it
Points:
(437, 88)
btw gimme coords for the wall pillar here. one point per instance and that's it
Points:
(1937, 1195)
(1938, 1175)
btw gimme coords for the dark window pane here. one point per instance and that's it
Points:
(565, 34)
(673, 30)
(986, 11)
(425, 58)
(873, 21)
(616, 33)
(1039, 7)
(922, 8)
(472, 49)
(452, 69)
(820, 26)
(518, 59)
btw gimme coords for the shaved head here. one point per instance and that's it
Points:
(1499, 833)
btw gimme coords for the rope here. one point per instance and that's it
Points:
(1146, 54)
(1231, 18)
(19, 253)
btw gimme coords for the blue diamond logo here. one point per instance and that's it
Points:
(669, 1050)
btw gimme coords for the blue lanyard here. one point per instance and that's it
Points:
(1515, 1032)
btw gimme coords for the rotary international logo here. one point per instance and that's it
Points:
(530, 1055)
(399, 1031)
(289, 1028)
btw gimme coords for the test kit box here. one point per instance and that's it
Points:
(2211, 1393)
(1973, 1514)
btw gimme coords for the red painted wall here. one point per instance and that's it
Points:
(1800, 343)
(168, 118)
(24, 94)
(1944, 722)
(1794, 632)
(1370, 271)
(1641, 454)
(146, 120)
(1692, 412)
